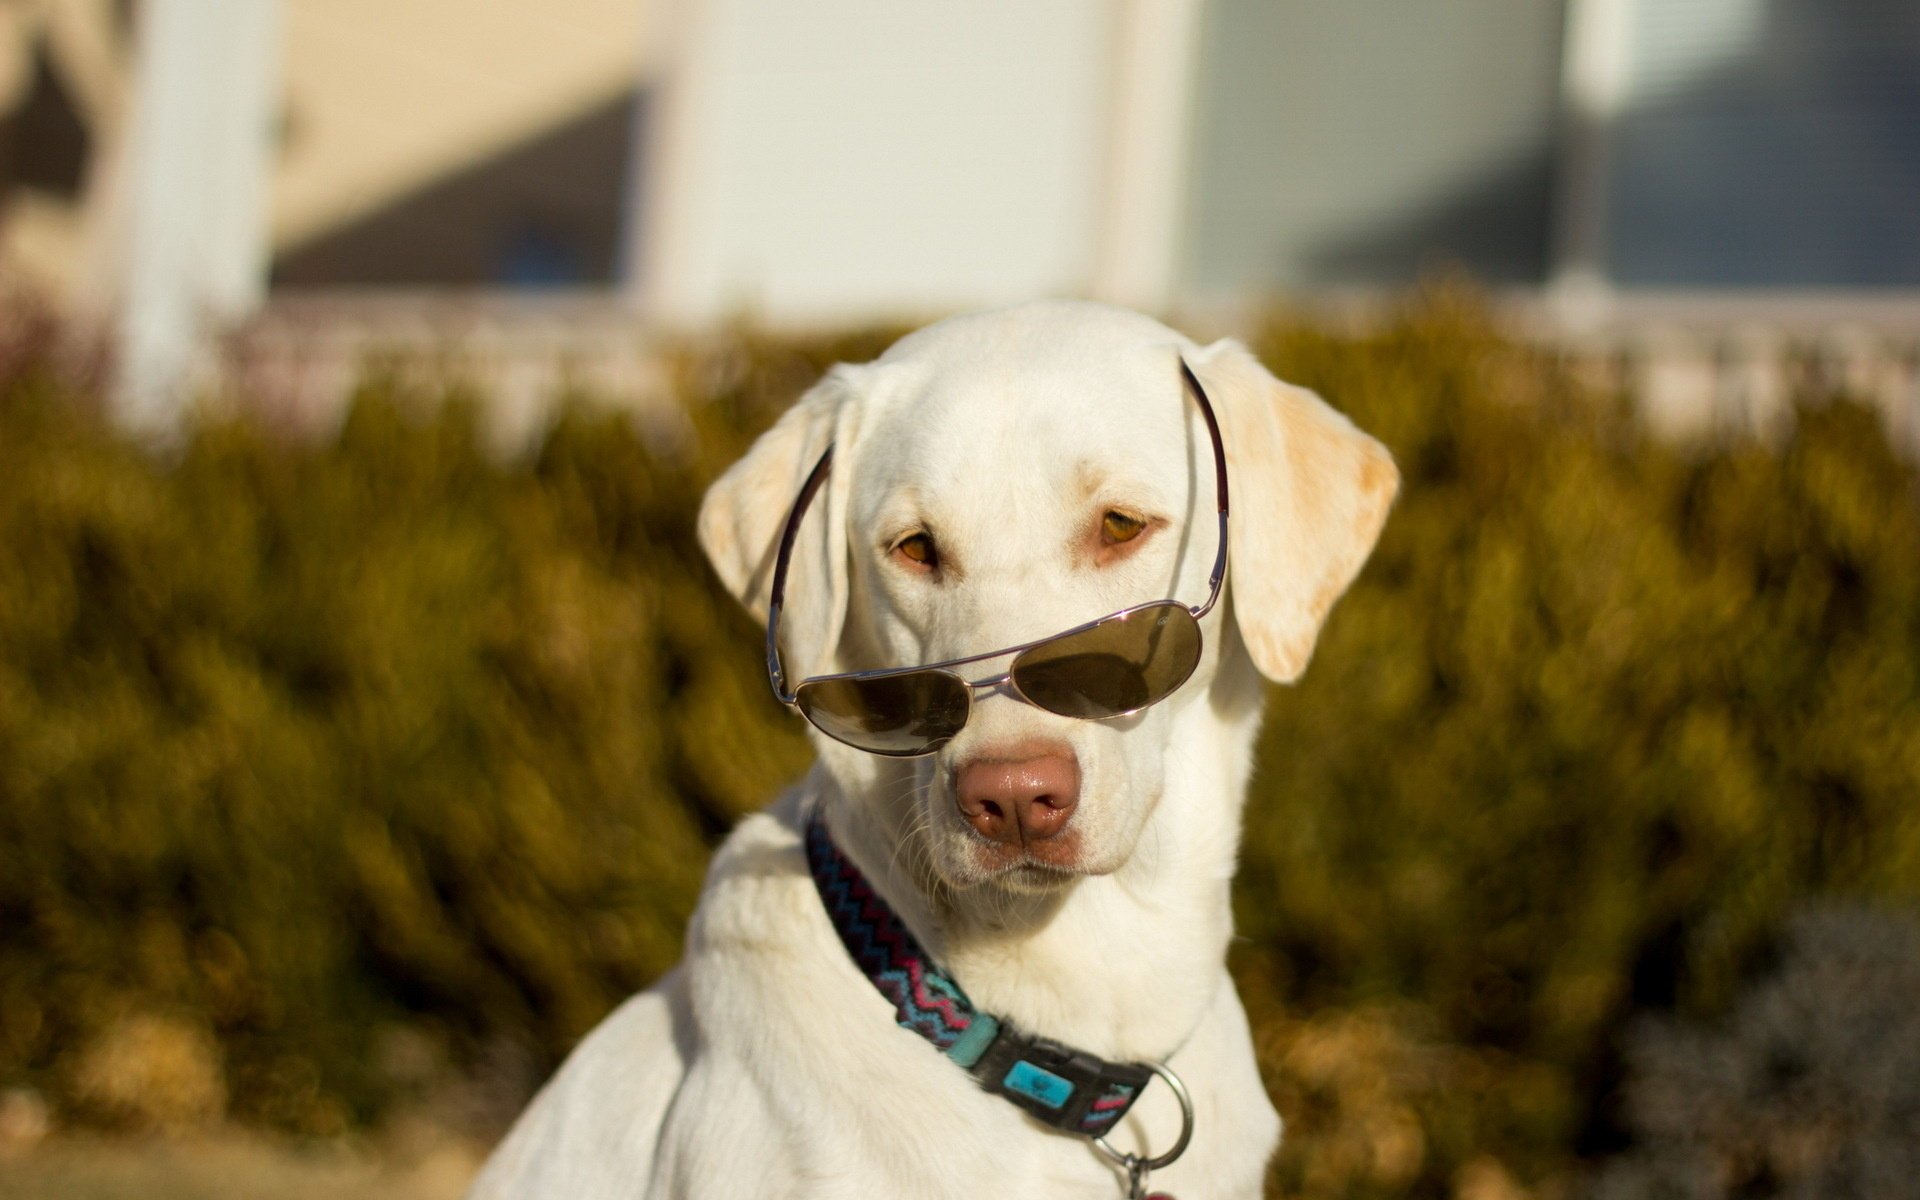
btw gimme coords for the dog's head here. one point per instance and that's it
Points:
(1006, 476)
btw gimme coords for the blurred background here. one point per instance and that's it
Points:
(367, 712)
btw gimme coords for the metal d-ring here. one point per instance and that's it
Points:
(1128, 1162)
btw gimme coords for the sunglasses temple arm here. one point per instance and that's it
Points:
(1220, 487)
(776, 673)
(1219, 573)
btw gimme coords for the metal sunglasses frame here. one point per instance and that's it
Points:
(776, 673)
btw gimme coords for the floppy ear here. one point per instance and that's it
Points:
(744, 511)
(1310, 493)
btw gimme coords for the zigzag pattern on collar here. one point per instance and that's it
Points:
(1067, 1089)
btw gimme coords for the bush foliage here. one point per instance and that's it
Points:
(1811, 1090)
(1599, 713)
(306, 741)
(302, 744)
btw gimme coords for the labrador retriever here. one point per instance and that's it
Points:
(995, 912)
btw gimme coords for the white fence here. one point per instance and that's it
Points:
(1698, 365)
(1717, 365)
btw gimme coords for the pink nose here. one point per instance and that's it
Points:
(1023, 795)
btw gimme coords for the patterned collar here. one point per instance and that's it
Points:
(1068, 1089)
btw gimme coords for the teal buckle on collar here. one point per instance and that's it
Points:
(1037, 1083)
(1063, 1087)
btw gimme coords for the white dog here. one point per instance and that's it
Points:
(1060, 880)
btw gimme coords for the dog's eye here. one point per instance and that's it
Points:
(1118, 527)
(918, 549)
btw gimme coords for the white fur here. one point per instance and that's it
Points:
(766, 1065)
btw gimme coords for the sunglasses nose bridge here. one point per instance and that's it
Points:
(995, 685)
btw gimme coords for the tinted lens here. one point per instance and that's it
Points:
(1122, 664)
(900, 715)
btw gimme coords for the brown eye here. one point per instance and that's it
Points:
(1119, 527)
(918, 549)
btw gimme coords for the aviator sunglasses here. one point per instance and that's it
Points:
(1112, 667)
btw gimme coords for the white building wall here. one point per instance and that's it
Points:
(1359, 141)
(847, 159)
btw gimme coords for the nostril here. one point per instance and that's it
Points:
(990, 809)
(1046, 816)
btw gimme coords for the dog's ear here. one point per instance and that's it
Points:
(745, 510)
(1310, 493)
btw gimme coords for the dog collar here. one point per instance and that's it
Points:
(1068, 1089)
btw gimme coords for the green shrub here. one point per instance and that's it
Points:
(303, 745)
(1598, 713)
(303, 742)
(1810, 1089)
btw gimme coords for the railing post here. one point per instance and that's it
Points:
(1594, 78)
(205, 100)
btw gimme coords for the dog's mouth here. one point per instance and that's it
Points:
(1037, 878)
(1041, 866)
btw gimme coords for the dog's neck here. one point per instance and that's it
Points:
(1121, 965)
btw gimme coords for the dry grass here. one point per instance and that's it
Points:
(231, 1165)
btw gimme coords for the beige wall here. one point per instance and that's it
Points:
(384, 96)
(381, 98)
